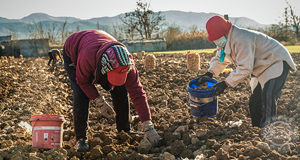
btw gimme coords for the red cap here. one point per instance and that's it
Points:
(117, 77)
(217, 27)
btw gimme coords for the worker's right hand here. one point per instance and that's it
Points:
(105, 109)
(204, 76)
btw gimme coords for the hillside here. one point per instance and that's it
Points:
(182, 19)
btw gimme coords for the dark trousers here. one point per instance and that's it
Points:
(263, 102)
(81, 103)
(51, 57)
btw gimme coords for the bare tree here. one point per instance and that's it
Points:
(56, 32)
(193, 29)
(118, 31)
(130, 23)
(142, 19)
(52, 32)
(105, 28)
(295, 20)
(64, 31)
(77, 28)
(172, 33)
(36, 30)
(98, 25)
(286, 18)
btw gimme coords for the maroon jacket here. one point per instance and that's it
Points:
(85, 48)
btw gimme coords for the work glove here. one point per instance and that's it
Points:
(204, 76)
(219, 88)
(105, 109)
(150, 133)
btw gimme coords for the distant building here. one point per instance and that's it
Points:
(26, 47)
(147, 45)
(5, 38)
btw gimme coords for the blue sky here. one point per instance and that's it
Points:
(262, 11)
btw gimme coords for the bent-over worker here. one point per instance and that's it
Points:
(95, 57)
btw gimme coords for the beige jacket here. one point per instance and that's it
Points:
(253, 53)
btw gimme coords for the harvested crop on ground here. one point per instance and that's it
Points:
(150, 62)
(193, 61)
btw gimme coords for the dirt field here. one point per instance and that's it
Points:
(29, 88)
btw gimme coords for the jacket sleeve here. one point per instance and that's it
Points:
(216, 66)
(84, 76)
(245, 52)
(137, 94)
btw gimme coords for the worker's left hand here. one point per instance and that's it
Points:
(219, 88)
(150, 133)
(204, 76)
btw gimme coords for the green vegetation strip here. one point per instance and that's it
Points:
(184, 51)
(291, 49)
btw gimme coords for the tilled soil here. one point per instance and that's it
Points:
(29, 88)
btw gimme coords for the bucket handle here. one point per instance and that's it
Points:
(188, 100)
(34, 125)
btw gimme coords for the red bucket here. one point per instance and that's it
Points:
(47, 131)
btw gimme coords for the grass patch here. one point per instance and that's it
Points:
(291, 49)
(184, 51)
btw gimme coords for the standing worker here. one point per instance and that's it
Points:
(253, 54)
(91, 57)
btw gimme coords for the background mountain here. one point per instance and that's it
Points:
(45, 17)
(182, 19)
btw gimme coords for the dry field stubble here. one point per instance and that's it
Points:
(28, 88)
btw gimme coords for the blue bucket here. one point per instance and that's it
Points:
(201, 101)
